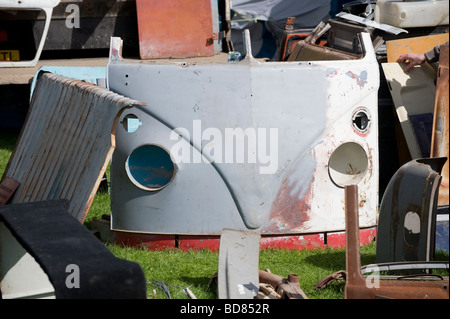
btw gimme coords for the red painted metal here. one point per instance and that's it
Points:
(291, 242)
(337, 240)
(199, 242)
(150, 242)
(313, 241)
(174, 28)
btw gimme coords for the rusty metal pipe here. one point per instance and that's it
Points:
(353, 258)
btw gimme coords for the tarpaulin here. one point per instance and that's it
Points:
(266, 20)
(308, 13)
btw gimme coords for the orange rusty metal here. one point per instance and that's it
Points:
(175, 29)
(288, 288)
(359, 287)
(440, 136)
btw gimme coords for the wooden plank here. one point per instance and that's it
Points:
(413, 94)
(395, 48)
(66, 142)
(440, 137)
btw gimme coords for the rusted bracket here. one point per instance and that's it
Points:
(327, 280)
(359, 287)
(288, 288)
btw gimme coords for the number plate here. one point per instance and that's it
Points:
(9, 55)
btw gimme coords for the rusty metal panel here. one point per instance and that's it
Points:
(175, 28)
(66, 142)
(440, 136)
(287, 288)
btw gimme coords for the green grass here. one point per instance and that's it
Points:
(193, 269)
(7, 143)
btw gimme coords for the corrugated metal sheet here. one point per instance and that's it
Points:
(66, 142)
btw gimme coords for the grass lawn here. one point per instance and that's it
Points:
(178, 269)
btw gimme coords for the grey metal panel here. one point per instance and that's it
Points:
(310, 104)
(407, 220)
(66, 142)
(238, 265)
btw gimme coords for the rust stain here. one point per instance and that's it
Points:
(288, 212)
(174, 29)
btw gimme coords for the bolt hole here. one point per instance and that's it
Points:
(361, 120)
(131, 123)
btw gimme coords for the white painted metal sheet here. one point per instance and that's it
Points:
(44, 5)
(300, 118)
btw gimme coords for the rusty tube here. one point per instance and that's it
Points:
(353, 258)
